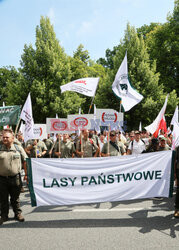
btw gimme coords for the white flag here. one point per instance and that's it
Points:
(140, 126)
(85, 86)
(175, 134)
(154, 126)
(26, 115)
(175, 116)
(122, 88)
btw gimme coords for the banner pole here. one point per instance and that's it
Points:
(50, 152)
(59, 144)
(108, 137)
(93, 98)
(120, 106)
(91, 105)
(17, 126)
(36, 152)
(81, 143)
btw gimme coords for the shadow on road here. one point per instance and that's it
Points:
(145, 225)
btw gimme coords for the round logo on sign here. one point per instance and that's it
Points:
(109, 117)
(40, 131)
(59, 126)
(81, 121)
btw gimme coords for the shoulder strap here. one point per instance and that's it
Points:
(114, 145)
(91, 141)
(17, 148)
(143, 141)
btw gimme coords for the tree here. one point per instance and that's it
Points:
(44, 69)
(144, 78)
(163, 46)
(7, 75)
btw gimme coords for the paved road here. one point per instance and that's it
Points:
(139, 224)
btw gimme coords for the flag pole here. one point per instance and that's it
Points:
(59, 144)
(50, 152)
(17, 126)
(91, 104)
(120, 106)
(93, 98)
(109, 130)
(81, 137)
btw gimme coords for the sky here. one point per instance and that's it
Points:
(97, 24)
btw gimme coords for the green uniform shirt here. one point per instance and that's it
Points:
(112, 150)
(48, 143)
(39, 148)
(10, 160)
(89, 147)
(164, 148)
(66, 148)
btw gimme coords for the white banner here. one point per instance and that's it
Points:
(39, 131)
(108, 117)
(58, 126)
(76, 122)
(91, 180)
(85, 86)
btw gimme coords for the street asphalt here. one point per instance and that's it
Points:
(138, 224)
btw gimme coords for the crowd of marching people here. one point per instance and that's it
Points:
(86, 144)
(91, 144)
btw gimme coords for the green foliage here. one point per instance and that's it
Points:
(153, 62)
(162, 42)
(8, 75)
(143, 76)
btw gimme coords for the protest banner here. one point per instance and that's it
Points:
(9, 115)
(76, 122)
(58, 126)
(39, 131)
(90, 180)
(110, 116)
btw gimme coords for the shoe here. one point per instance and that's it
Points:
(3, 219)
(19, 217)
(176, 214)
(157, 198)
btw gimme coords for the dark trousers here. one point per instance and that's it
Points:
(10, 186)
(177, 192)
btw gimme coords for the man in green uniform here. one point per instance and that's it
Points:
(36, 149)
(86, 147)
(163, 146)
(49, 143)
(114, 147)
(11, 159)
(66, 148)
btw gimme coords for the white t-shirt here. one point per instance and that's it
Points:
(101, 144)
(137, 147)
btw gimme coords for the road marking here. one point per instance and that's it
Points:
(119, 209)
